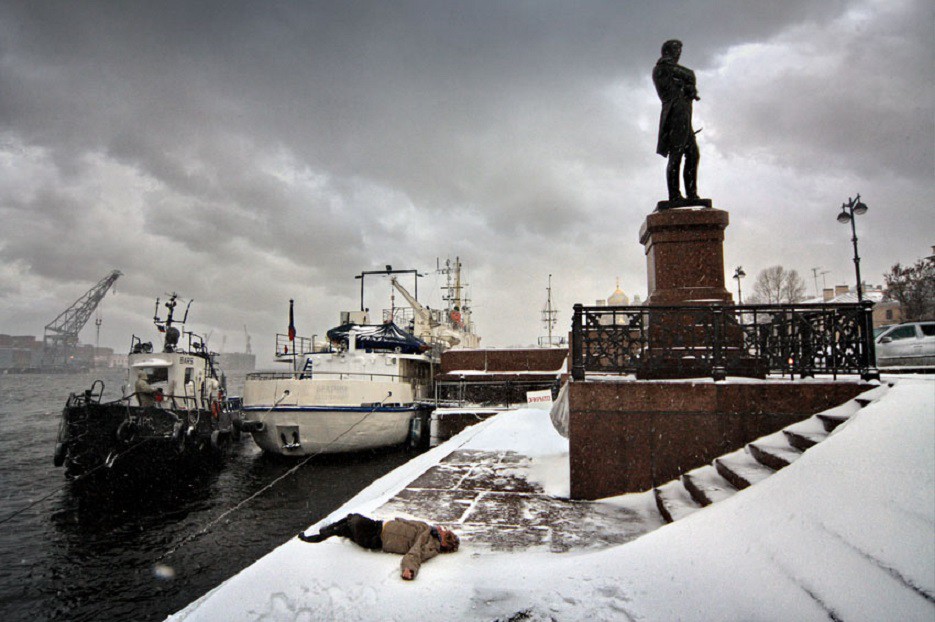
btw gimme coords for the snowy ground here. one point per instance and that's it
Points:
(847, 532)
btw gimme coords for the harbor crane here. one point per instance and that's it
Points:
(435, 326)
(61, 334)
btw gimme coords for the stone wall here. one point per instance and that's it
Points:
(504, 360)
(631, 436)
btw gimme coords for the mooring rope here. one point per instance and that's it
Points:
(204, 530)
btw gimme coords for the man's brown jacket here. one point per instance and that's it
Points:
(413, 540)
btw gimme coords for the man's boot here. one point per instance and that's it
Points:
(334, 529)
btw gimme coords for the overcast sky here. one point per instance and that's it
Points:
(243, 154)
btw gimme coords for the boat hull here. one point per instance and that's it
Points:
(115, 440)
(304, 430)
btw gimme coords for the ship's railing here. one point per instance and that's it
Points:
(553, 341)
(331, 375)
(722, 340)
(166, 400)
(297, 346)
(155, 399)
(461, 392)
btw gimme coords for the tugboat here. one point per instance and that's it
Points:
(173, 410)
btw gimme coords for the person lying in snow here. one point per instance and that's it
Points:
(414, 540)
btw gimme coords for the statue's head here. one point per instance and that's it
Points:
(672, 48)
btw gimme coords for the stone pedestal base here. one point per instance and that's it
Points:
(685, 256)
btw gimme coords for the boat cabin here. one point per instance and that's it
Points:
(170, 379)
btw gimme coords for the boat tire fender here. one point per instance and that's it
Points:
(126, 432)
(415, 432)
(180, 437)
(219, 440)
(58, 459)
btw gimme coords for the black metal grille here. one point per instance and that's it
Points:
(721, 340)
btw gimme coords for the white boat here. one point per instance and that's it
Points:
(370, 386)
(363, 394)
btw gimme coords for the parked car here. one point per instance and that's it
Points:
(911, 344)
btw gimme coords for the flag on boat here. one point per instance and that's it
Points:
(291, 322)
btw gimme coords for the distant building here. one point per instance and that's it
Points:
(237, 361)
(617, 299)
(885, 310)
(114, 360)
(19, 352)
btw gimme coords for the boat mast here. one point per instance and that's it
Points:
(165, 326)
(458, 313)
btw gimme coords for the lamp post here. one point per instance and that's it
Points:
(854, 207)
(739, 274)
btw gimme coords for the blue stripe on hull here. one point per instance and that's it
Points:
(343, 409)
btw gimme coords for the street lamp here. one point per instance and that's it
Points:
(739, 274)
(852, 208)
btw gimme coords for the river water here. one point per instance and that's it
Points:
(142, 554)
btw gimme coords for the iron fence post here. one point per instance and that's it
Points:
(868, 352)
(807, 367)
(577, 354)
(718, 370)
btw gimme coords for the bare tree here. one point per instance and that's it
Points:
(913, 287)
(776, 285)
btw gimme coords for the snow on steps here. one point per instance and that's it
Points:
(674, 502)
(741, 469)
(774, 451)
(706, 486)
(758, 460)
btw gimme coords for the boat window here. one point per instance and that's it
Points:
(156, 374)
(188, 374)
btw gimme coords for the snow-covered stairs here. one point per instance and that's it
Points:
(758, 460)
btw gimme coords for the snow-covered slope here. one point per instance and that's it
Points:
(847, 532)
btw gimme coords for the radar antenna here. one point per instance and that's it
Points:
(549, 313)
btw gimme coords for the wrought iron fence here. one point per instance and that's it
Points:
(722, 340)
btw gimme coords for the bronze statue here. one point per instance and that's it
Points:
(675, 85)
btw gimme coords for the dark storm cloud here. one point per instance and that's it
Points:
(251, 150)
(854, 92)
(399, 90)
